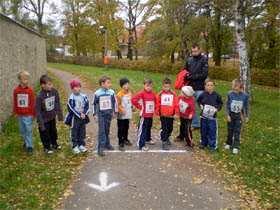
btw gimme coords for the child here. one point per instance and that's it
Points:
(210, 103)
(186, 110)
(237, 109)
(77, 117)
(145, 101)
(125, 112)
(104, 107)
(47, 108)
(166, 102)
(24, 109)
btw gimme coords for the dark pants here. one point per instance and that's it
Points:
(166, 128)
(78, 132)
(208, 131)
(49, 135)
(234, 129)
(144, 131)
(123, 126)
(186, 131)
(104, 123)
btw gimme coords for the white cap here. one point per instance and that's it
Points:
(188, 90)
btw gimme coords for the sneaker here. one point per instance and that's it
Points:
(177, 139)
(212, 150)
(82, 148)
(145, 149)
(48, 151)
(29, 150)
(109, 147)
(165, 146)
(121, 147)
(235, 151)
(101, 153)
(127, 142)
(56, 147)
(168, 142)
(202, 146)
(151, 142)
(227, 146)
(76, 150)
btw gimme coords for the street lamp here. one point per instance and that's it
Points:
(103, 30)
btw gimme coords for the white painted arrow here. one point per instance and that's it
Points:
(103, 179)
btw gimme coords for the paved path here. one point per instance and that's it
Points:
(135, 180)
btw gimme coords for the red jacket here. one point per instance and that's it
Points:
(166, 103)
(146, 102)
(24, 101)
(186, 107)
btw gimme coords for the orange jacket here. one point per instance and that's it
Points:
(166, 103)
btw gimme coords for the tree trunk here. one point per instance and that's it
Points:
(172, 56)
(217, 38)
(241, 45)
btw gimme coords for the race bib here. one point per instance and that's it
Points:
(126, 103)
(150, 107)
(79, 106)
(183, 106)
(49, 103)
(208, 111)
(22, 100)
(105, 103)
(236, 106)
(166, 99)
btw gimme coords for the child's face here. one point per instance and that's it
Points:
(166, 87)
(76, 90)
(126, 86)
(24, 80)
(107, 84)
(209, 87)
(236, 87)
(148, 87)
(48, 86)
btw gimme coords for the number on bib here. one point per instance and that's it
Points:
(183, 106)
(150, 107)
(209, 111)
(22, 100)
(166, 99)
(49, 103)
(236, 106)
(105, 103)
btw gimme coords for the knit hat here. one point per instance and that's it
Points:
(188, 90)
(75, 83)
(123, 81)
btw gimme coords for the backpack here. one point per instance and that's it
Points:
(180, 79)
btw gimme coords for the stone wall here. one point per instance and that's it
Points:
(20, 49)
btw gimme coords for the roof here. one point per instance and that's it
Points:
(5, 17)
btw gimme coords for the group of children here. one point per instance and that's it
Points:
(106, 105)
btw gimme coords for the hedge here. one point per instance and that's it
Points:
(267, 77)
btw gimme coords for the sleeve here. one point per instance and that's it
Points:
(176, 103)
(158, 102)
(94, 104)
(14, 101)
(201, 75)
(71, 107)
(40, 120)
(192, 109)
(228, 104)
(86, 107)
(219, 102)
(135, 100)
(246, 106)
(58, 107)
(32, 102)
(119, 100)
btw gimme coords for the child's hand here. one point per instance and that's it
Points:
(190, 116)
(201, 106)
(228, 118)
(95, 118)
(246, 119)
(83, 116)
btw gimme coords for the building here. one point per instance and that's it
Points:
(21, 48)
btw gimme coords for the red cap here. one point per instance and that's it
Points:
(75, 83)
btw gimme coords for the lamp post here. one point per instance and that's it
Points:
(103, 30)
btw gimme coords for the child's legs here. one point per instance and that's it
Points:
(126, 128)
(189, 137)
(75, 132)
(149, 128)
(204, 131)
(45, 136)
(108, 119)
(28, 132)
(212, 133)
(182, 134)
(164, 129)
(141, 133)
(236, 133)
(101, 132)
(53, 133)
(121, 128)
(230, 126)
(82, 133)
(21, 127)
(170, 126)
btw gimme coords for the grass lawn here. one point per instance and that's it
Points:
(37, 181)
(257, 166)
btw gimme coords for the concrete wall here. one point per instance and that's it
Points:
(20, 49)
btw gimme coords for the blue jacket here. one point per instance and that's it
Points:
(237, 103)
(77, 104)
(104, 101)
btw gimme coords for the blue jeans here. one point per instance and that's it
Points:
(25, 128)
(196, 119)
(209, 131)
(104, 122)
